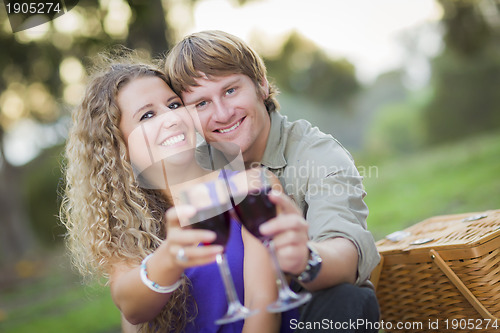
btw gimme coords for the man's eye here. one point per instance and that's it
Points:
(201, 104)
(147, 115)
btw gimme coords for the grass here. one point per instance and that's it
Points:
(56, 301)
(450, 179)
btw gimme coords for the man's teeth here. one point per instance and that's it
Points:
(230, 128)
(173, 140)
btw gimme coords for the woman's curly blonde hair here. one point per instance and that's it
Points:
(108, 217)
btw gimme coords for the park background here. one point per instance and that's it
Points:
(410, 87)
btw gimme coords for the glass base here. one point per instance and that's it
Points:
(236, 312)
(291, 301)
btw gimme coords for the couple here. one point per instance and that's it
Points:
(114, 224)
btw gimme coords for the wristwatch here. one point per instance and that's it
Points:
(312, 268)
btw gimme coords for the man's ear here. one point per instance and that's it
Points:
(264, 86)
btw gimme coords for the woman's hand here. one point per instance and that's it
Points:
(135, 300)
(181, 243)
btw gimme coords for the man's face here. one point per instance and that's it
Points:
(231, 109)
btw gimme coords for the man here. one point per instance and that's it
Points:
(325, 244)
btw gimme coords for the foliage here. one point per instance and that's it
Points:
(42, 75)
(398, 128)
(466, 100)
(41, 184)
(466, 76)
(448, 179)
(302, 68)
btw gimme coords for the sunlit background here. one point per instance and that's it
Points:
(369, 34)
(409, 87)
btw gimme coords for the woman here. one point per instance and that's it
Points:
(128, 120)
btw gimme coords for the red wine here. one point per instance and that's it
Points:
(219, 222)
(254, 210)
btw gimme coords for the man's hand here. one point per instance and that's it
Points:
(289, 232)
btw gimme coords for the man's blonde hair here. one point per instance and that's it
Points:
(215, 53)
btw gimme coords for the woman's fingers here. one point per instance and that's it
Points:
(186, 236)
(183, 242)
(179, 216)
(188, 256)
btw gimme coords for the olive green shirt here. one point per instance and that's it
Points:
(319, 174)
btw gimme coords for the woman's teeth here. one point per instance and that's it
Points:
(230, 128)
(173, 140)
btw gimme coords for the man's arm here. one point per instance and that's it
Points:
(339, 255)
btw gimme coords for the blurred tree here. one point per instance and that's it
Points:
(302, 68)
(147, 27)
(42, 71)
(466, 76)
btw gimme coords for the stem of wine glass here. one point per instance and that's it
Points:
(231, 295)
(236, 311)
(284, 290)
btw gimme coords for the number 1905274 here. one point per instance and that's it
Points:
(471, 324)
(33, 8)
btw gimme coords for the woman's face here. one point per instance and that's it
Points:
(155, 124)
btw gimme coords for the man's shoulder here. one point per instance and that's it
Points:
(303, 137)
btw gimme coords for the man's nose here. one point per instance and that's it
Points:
(223, 112)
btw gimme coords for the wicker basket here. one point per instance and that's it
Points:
(445, 271)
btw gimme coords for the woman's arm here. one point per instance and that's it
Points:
(135, 300)
(260, 286)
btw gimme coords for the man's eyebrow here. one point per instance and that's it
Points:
(231, 83)
(196, 99)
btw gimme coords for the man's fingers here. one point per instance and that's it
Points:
(284, 203)
(284, 223)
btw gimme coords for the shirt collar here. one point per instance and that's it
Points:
(274, 157)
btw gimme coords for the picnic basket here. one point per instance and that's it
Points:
(444, 270)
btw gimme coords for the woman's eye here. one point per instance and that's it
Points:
(147, 115)
(175, 105)
(230, 91)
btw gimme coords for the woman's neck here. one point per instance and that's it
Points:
(185, 177)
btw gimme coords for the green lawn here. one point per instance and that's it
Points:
(55, 300)
(458, 178)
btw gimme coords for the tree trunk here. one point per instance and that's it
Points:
(149, 30)
(16, 236)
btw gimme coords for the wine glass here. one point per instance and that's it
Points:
(212, 203)
(253, 207)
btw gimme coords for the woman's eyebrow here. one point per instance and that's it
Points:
(142, 108)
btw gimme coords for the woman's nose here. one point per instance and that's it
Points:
(169, 119)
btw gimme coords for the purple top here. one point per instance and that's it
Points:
(208, 288)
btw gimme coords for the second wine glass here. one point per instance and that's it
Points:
(253, 208)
